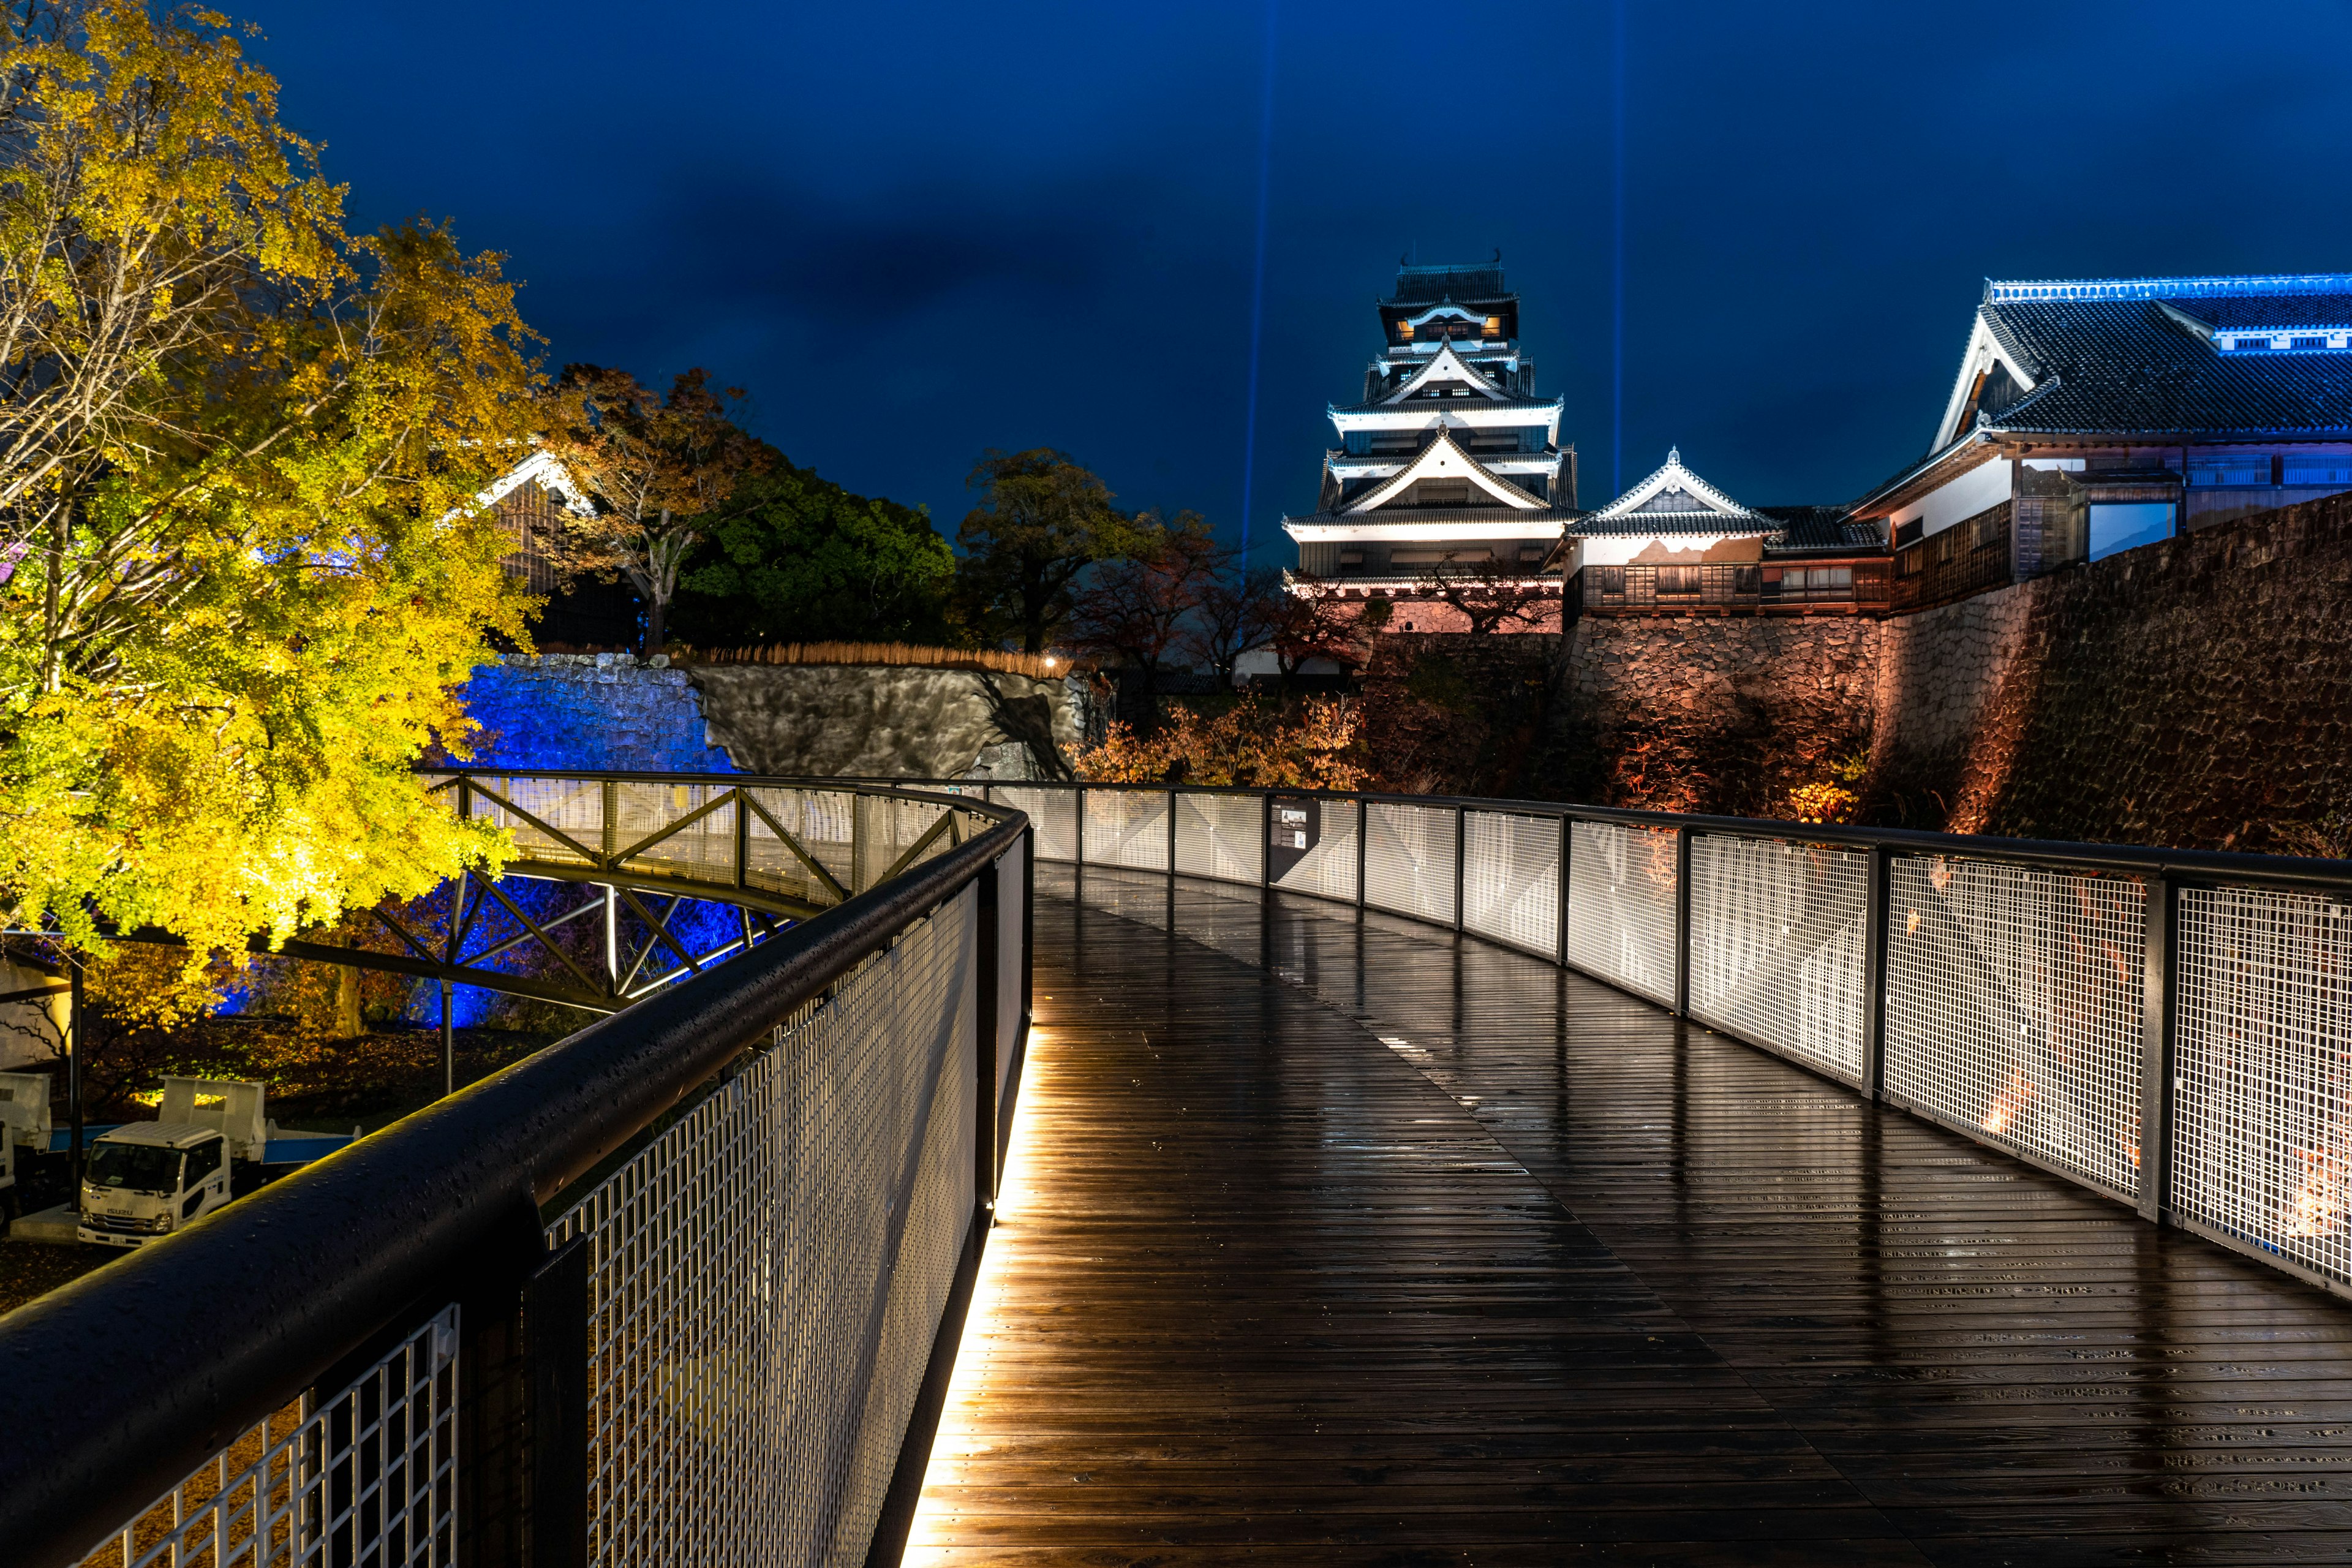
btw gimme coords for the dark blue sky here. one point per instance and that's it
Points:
(917, 231)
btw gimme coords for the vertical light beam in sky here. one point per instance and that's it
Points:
(1617, 240)
(1257, 279)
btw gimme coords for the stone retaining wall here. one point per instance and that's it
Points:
(596, 712)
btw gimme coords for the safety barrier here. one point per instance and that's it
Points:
(2172, 1028)
(680, 1289)
(662, 1293)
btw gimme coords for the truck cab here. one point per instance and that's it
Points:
(147, 1179)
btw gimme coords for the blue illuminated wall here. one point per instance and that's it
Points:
(590, 711)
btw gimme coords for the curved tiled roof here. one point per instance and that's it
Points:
(1820, 528)
(2124, 365)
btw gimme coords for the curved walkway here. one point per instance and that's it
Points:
(1334, 1239)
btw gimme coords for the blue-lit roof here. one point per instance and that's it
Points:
(2188, 357)
(2269, 285)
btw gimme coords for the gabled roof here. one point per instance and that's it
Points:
(540, 468)
(1443, 459)
(1447, 366)
(1674, 501)
(2140, 356)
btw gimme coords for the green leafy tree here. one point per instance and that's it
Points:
(1041, 521)
(243, 570)
(806, 561)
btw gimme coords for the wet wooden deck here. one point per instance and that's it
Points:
(1333, 1241)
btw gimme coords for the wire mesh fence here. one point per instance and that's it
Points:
(1053, 817)
(368, 1476)
(558, 820)
(684, 830)
(1409, 859)
(1128, 827)
(1510, 880)
(800, 842)
(1219, 836)
(1777, 945)
(1620, 905)
(2262, 1062)
(766, 1276)
(2014, 1002)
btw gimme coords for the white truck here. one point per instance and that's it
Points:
(145, 1179)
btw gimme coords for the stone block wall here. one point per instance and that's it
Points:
(611, 712)
(2196, 693)
(591, 711)
(1708, 713)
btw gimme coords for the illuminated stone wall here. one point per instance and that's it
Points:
(2196, 693)
(609, 711)
(591, 711)
(1709, 713)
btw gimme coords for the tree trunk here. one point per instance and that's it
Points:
(349, 1023)
(653, 629)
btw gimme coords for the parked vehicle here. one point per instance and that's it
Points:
(146, 1179)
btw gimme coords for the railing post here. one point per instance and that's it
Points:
(1171, 833)
(1460, 854)
(1363, 843)
(1566, 843)
(1874, 972)
(1682, 921)
(742, 838)
(610, 828)
(1265, 840)
(511, 1315)
(1078, 826)
(2156, 1043)
(987, 947)
(555, 1353)
(1028, 928)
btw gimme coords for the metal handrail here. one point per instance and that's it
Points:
(2200, 867)
(204, 1333)
(2150, 955)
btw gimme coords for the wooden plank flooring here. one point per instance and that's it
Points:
(1333, 1241)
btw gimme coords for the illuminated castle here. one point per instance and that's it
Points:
(1450, 460)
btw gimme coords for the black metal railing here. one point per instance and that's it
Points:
(472, 1335)
(2170, 1027)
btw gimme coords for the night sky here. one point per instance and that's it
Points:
(917, 231)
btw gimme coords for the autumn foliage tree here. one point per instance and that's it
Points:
(661, 474)
(1493, 595)
(1040, 521)
(1255, 743)
(1139, 609)
(244, 570)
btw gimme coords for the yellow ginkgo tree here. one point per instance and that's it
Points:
(244, 565)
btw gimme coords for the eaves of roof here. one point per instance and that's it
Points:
(1440, 405)
(1696, 522)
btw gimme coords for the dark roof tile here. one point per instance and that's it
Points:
(2123, 366)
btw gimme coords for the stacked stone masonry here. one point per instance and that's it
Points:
(2196, 692)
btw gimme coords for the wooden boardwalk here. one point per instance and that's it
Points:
(1336, 1240)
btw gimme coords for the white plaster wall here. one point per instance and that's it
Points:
(1988, 484)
